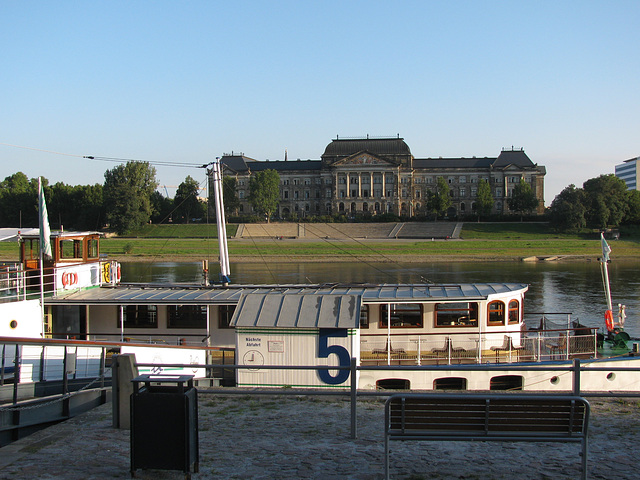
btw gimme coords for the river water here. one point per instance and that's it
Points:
(567, 287)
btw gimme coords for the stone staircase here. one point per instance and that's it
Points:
(407, 230)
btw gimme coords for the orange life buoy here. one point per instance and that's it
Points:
(119, 273)
(608, 320)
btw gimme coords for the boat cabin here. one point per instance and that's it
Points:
(74, 264)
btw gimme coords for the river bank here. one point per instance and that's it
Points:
(402, 259)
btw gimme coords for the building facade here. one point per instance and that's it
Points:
(372, 176)
(628, 171)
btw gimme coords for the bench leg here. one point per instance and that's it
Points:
(585, 450)
(386, 457)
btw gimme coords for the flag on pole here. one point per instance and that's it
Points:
(45, 231)
(606, 249)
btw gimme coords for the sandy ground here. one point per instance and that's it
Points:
(267, 437)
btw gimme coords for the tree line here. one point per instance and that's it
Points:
(602, 202)
(129, 198)
(126, 200)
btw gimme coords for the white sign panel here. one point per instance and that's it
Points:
(162, 356)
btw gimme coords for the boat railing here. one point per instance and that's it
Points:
(17, 284)
(463, 348)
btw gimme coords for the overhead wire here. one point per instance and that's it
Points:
(110, 159)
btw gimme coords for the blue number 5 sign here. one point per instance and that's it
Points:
(324, 350)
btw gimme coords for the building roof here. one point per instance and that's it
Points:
(390, 147)
(151, 294)
(513, 157)
(286, 166)
(376, 146)
(453, 162)
(237, 163)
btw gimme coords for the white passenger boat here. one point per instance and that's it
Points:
(447, 334)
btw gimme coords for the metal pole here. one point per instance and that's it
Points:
(388, 334)
(121, 323)
(16, 374)
(354, 398)
(576, 376)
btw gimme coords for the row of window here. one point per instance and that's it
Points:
(462, 314)
(402, 315)
(390, 178)
(178, 316)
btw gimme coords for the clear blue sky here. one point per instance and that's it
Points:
(186, 81)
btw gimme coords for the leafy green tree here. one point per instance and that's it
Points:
(440, 200)
(265, 192)
(78, 207)
(484, 199)
(633, 204)
(606, 201)
(523, 200)
(229, 196)
(127, 195)
(187, 203)
(91, 212)
(567, 211)
(161, 208)
(19, 201)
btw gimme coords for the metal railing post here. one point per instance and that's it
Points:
(65, 384)
(4, 348)
(576, 376)
(354, 399)
(16, 374)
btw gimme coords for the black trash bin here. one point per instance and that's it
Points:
(164, 423)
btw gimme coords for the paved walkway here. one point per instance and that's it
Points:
(259, 437)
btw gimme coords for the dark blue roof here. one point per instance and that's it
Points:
(453, 162)
(282, 166)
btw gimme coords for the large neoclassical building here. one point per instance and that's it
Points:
(370, 176)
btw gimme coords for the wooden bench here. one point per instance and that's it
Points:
(487, 417)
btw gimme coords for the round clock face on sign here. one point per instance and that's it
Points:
(253, 357)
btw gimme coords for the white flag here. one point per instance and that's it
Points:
(606, 249)
(45, 231)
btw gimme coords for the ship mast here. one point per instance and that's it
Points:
(604, 262)
(225, 273)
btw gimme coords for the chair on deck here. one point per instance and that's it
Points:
(388, 348)
(507, 346)
(447, 349)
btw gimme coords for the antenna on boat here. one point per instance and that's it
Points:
(604, 261)
(220, 222)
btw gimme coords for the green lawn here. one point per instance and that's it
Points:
(481, 240)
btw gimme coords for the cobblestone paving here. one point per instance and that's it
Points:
(243, 437)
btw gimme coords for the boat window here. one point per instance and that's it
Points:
(187, 316)
(403, 315)
(364, 316)
(139, 316)
(506, 382)
(450, 383)
(70, 249)
(514, 311)
(495, 313)
(459, 314)
(225, 312)
(92, 247)
(30, 249)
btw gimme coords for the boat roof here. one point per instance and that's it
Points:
(140, 294)
(297, 311)
(35, 233)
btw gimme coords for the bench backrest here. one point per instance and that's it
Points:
(474, 415)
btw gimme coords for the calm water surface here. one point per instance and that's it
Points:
(573, 287)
